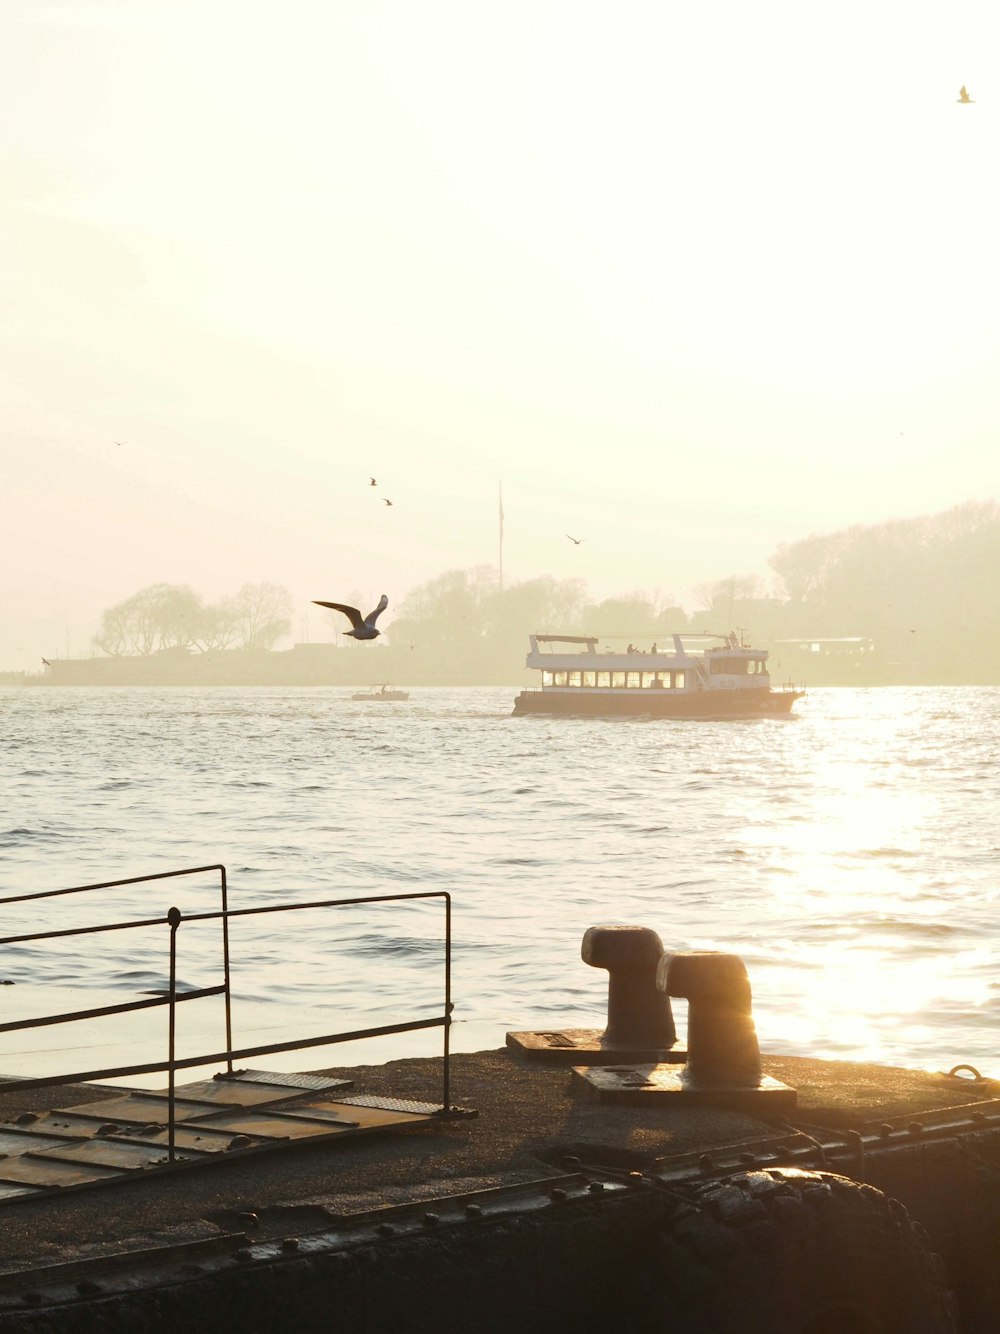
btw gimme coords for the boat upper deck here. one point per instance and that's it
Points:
(562, 657)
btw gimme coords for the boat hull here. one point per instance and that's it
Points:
(703, 704)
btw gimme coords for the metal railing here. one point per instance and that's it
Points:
(173, 921)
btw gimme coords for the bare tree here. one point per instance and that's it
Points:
(262, 614)
(112, 637)
(219, 625)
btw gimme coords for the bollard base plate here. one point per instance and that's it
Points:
(583, 1046)
(640, 1085)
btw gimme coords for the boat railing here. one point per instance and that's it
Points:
(170, 923)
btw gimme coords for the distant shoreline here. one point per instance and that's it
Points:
(499, 665)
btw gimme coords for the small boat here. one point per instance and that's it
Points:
(714, 681)
(381, 694)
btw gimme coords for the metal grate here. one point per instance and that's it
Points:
(382, 1104)
(314, 1083)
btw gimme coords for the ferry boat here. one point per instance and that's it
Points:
(381, 694)
(715, 680)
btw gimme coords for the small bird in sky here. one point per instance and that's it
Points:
(372, 481)
(46, 662)
(575, 540)
(364, 628)
(118, 442)
(388, 502)
(963, 96)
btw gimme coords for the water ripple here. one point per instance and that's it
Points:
(851, 858)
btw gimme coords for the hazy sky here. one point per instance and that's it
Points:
(692, 280)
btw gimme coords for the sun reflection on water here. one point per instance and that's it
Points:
(878, 942)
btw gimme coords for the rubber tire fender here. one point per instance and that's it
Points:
(782, 1251)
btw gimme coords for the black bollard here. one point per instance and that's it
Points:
(722, 1047)
(639, 1014)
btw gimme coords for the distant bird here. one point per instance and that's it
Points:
(118, 442)
(388, 502)
(363, 628)
(963, 96)
(46, 662)
(575, 540)
(372, 481)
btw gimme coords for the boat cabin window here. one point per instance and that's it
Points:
(729, 666)
(589, 679)
(574, 678)
(546, 678)
(677, 680)
(648, 678)
(632, 679)
(558, 678)
(604, 679)
(618, 679)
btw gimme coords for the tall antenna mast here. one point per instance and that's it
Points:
(500, 489)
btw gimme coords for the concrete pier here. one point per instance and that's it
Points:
(533, 1126)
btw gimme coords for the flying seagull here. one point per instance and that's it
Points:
(372, 481)
(363, 629)
(575, 540)
(388, 502)
(963, 96)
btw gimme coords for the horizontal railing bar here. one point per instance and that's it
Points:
(124, 1007)
(317, 903)
(329, 1040)
(213, 916)
(111, 884)
(83, 931)
(216, 1058)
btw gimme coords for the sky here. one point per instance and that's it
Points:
(690, 281)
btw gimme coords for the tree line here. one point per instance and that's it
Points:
(174, 616)
(924, 593)
(922, 588)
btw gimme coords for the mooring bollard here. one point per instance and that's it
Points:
(722, 1047)
(639, 1014)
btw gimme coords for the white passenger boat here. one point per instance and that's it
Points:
(714, 680)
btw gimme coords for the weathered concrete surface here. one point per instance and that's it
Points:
(531, 1118)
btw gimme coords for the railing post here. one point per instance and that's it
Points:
(446, 1091)
(174, 918)
(225, 969)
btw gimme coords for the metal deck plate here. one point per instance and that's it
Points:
(11, 1191)
(70, 1127)
(377, 1102)
(583, 1046)
(293, 1082)
(124, 1155)
(332, 1112)
(127, 1135)
(14, 1142)
(276, 1126)
(640, 1085)
(317, 1120)
(244, 1088)
(197, 1138)
(140, 1108)
(41, 1170)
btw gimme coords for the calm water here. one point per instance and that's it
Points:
(851, 855)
